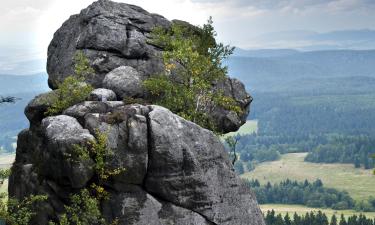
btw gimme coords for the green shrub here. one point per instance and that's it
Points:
(82, 210)
(16, 212)
(4, 174)
(84, 207)
(98, 151)
(82, 66)
(341, 206)
(364, 206)
(193, 63)
(73, 89)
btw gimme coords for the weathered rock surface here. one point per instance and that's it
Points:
(159, 212)
(125, 81)
(111, 35)
(190, 168)
(36, 109)
(81, 109)
(62, 133)
(102, 94)
(176, 172)
(114, 38)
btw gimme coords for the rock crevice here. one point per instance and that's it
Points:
(176, 171)
(168, 161)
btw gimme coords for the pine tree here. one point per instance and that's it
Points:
(357, 162)
(287, 220)
(352, 220)
(297, 219)
(342, 220)
(270, 218)
(279, 220)
(333, 220)
(366, 163)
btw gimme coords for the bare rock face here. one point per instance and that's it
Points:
(111, 35)
(114, 36)
(125, 81)
(176, 172)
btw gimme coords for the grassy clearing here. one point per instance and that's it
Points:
(6, 162)
(249, 127)
(359, 183)
(302, 210)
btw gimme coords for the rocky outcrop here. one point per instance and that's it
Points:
(111, 35)
(175, 171)
(114, 36)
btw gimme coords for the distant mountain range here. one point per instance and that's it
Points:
(266, 71)
(290, 70)
(312, 41)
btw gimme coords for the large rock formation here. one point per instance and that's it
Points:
(176, 172)
(114, 36)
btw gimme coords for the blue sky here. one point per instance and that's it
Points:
(27, 26)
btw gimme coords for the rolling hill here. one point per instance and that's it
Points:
(263, 72)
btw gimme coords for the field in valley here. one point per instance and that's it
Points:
(359, 183)
(5, 162)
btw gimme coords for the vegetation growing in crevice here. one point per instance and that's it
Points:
(73, 89)
(115, 117)
(98, 151)
(193, 64)
(14, 211)
(130, 100)
(84, 207)
(19, 212)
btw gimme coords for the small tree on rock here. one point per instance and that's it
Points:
(73, 89)
(193, 65)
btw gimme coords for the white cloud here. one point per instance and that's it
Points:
(30, 24)
(293, 4)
